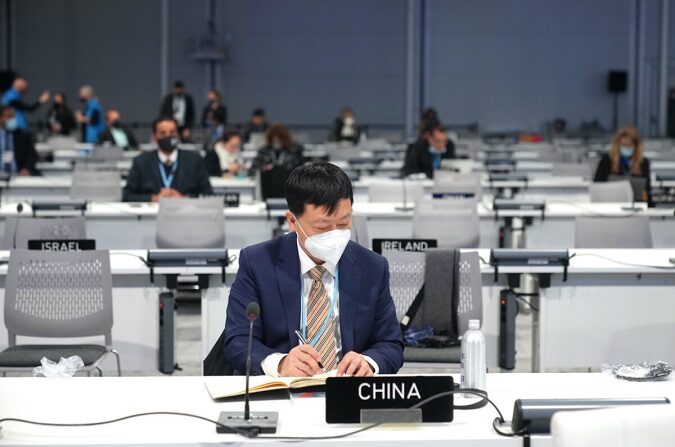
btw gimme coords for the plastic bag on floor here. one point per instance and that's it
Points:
(65, 368)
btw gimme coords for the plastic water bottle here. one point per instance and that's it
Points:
(473, 359)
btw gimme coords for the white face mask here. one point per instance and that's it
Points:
(327, 246)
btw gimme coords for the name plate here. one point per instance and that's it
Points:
(231, 199)
(347, 398)
(62, 244)
(453, 195)
(403, 244)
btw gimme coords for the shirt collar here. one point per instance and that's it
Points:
(164, 158)
(306, 263)
(433, 151)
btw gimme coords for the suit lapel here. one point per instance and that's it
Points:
(157, 177)
(350, 287)
(288, 279)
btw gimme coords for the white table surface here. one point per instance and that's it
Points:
(94, 399)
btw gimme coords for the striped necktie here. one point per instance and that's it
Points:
(318, 309)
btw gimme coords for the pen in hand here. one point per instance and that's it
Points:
(305, 342)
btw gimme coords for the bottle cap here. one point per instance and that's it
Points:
(474, 324)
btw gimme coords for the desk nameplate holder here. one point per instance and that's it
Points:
(403, 244)
(187, 258)
(505, 257)
(366, 400)
(59, 207)
(62, 244)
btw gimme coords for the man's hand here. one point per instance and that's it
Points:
(302, 361)
(353, 364)
(80, 118)
(24, 173)
(173, 193)
(165, 192)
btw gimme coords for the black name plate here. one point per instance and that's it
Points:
(347, 396)
(62, 244)
(403, 244)
(231, 199)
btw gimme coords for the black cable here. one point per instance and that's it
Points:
(534, 308)
(483, 394)
(143, 260)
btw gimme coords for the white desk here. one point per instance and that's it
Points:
(82, 399)
(122, 225)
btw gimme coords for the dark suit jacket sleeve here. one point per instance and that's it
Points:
(132, 190)
(26, 155)
(604, 168)
(189, 112)
(386, 342)
(104, 136)
(647, 173)
(212, 163)
(412, 163)
(166, 109)
(243, 291)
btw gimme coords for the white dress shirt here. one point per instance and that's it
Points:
(178, 106)
(164, 158)
(270, 365)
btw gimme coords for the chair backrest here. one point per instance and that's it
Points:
(406, 277)
(613, 232)
(91, 185)
(394, 191)
(446, 182)
(644, 425)
(58, 294)
(452, 222)
(620, 191)
(571, 170)
(112, 153)
(191, 223)
(360, 230)
(20, 230)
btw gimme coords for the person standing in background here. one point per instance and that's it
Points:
(13, 98)
(214, 110)
(181, 107)
(91, 118)
(60, 118)
(17, 148)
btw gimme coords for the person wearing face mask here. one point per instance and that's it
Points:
(276, 160)
(17, 148)
(317, 282)
(625, 158)
(345, 127)
(168, 171)
(225, 158)
(91, 118)
(425, 155)
(116, 133)
(214, 111)
(14, 98)
(60, 118)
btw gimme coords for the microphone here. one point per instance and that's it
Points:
(19, 210)
(260, 422)
(405, 206)
(252, 312)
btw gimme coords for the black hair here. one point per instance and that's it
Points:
(161, 119)
(433, 126)
(228, 135)
(259, 112)
(178, 84)
(319, 183)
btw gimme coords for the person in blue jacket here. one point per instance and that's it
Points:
(91, 118)
(14, 98)
(325, 303)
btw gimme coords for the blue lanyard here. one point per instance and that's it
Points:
(167, 180)
(303, 323)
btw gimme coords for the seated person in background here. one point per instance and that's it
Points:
(345, 127)
(314, 280)
(116, 133)
(60, 118)
(428, 118)
(168, 171)
(276, 160)
(425, 155)
(257, 124)
(17, 148)
(625, 158)
(225, 157)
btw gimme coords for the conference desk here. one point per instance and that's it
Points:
(82, 399)
(123, 225)
(135, 331)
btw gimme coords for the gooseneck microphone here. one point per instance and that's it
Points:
(258, 422)
(252, 312)
(19, 210)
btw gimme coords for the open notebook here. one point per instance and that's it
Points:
(221, 389)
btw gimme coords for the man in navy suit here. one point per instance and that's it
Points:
(167, 172)
(314, 280)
